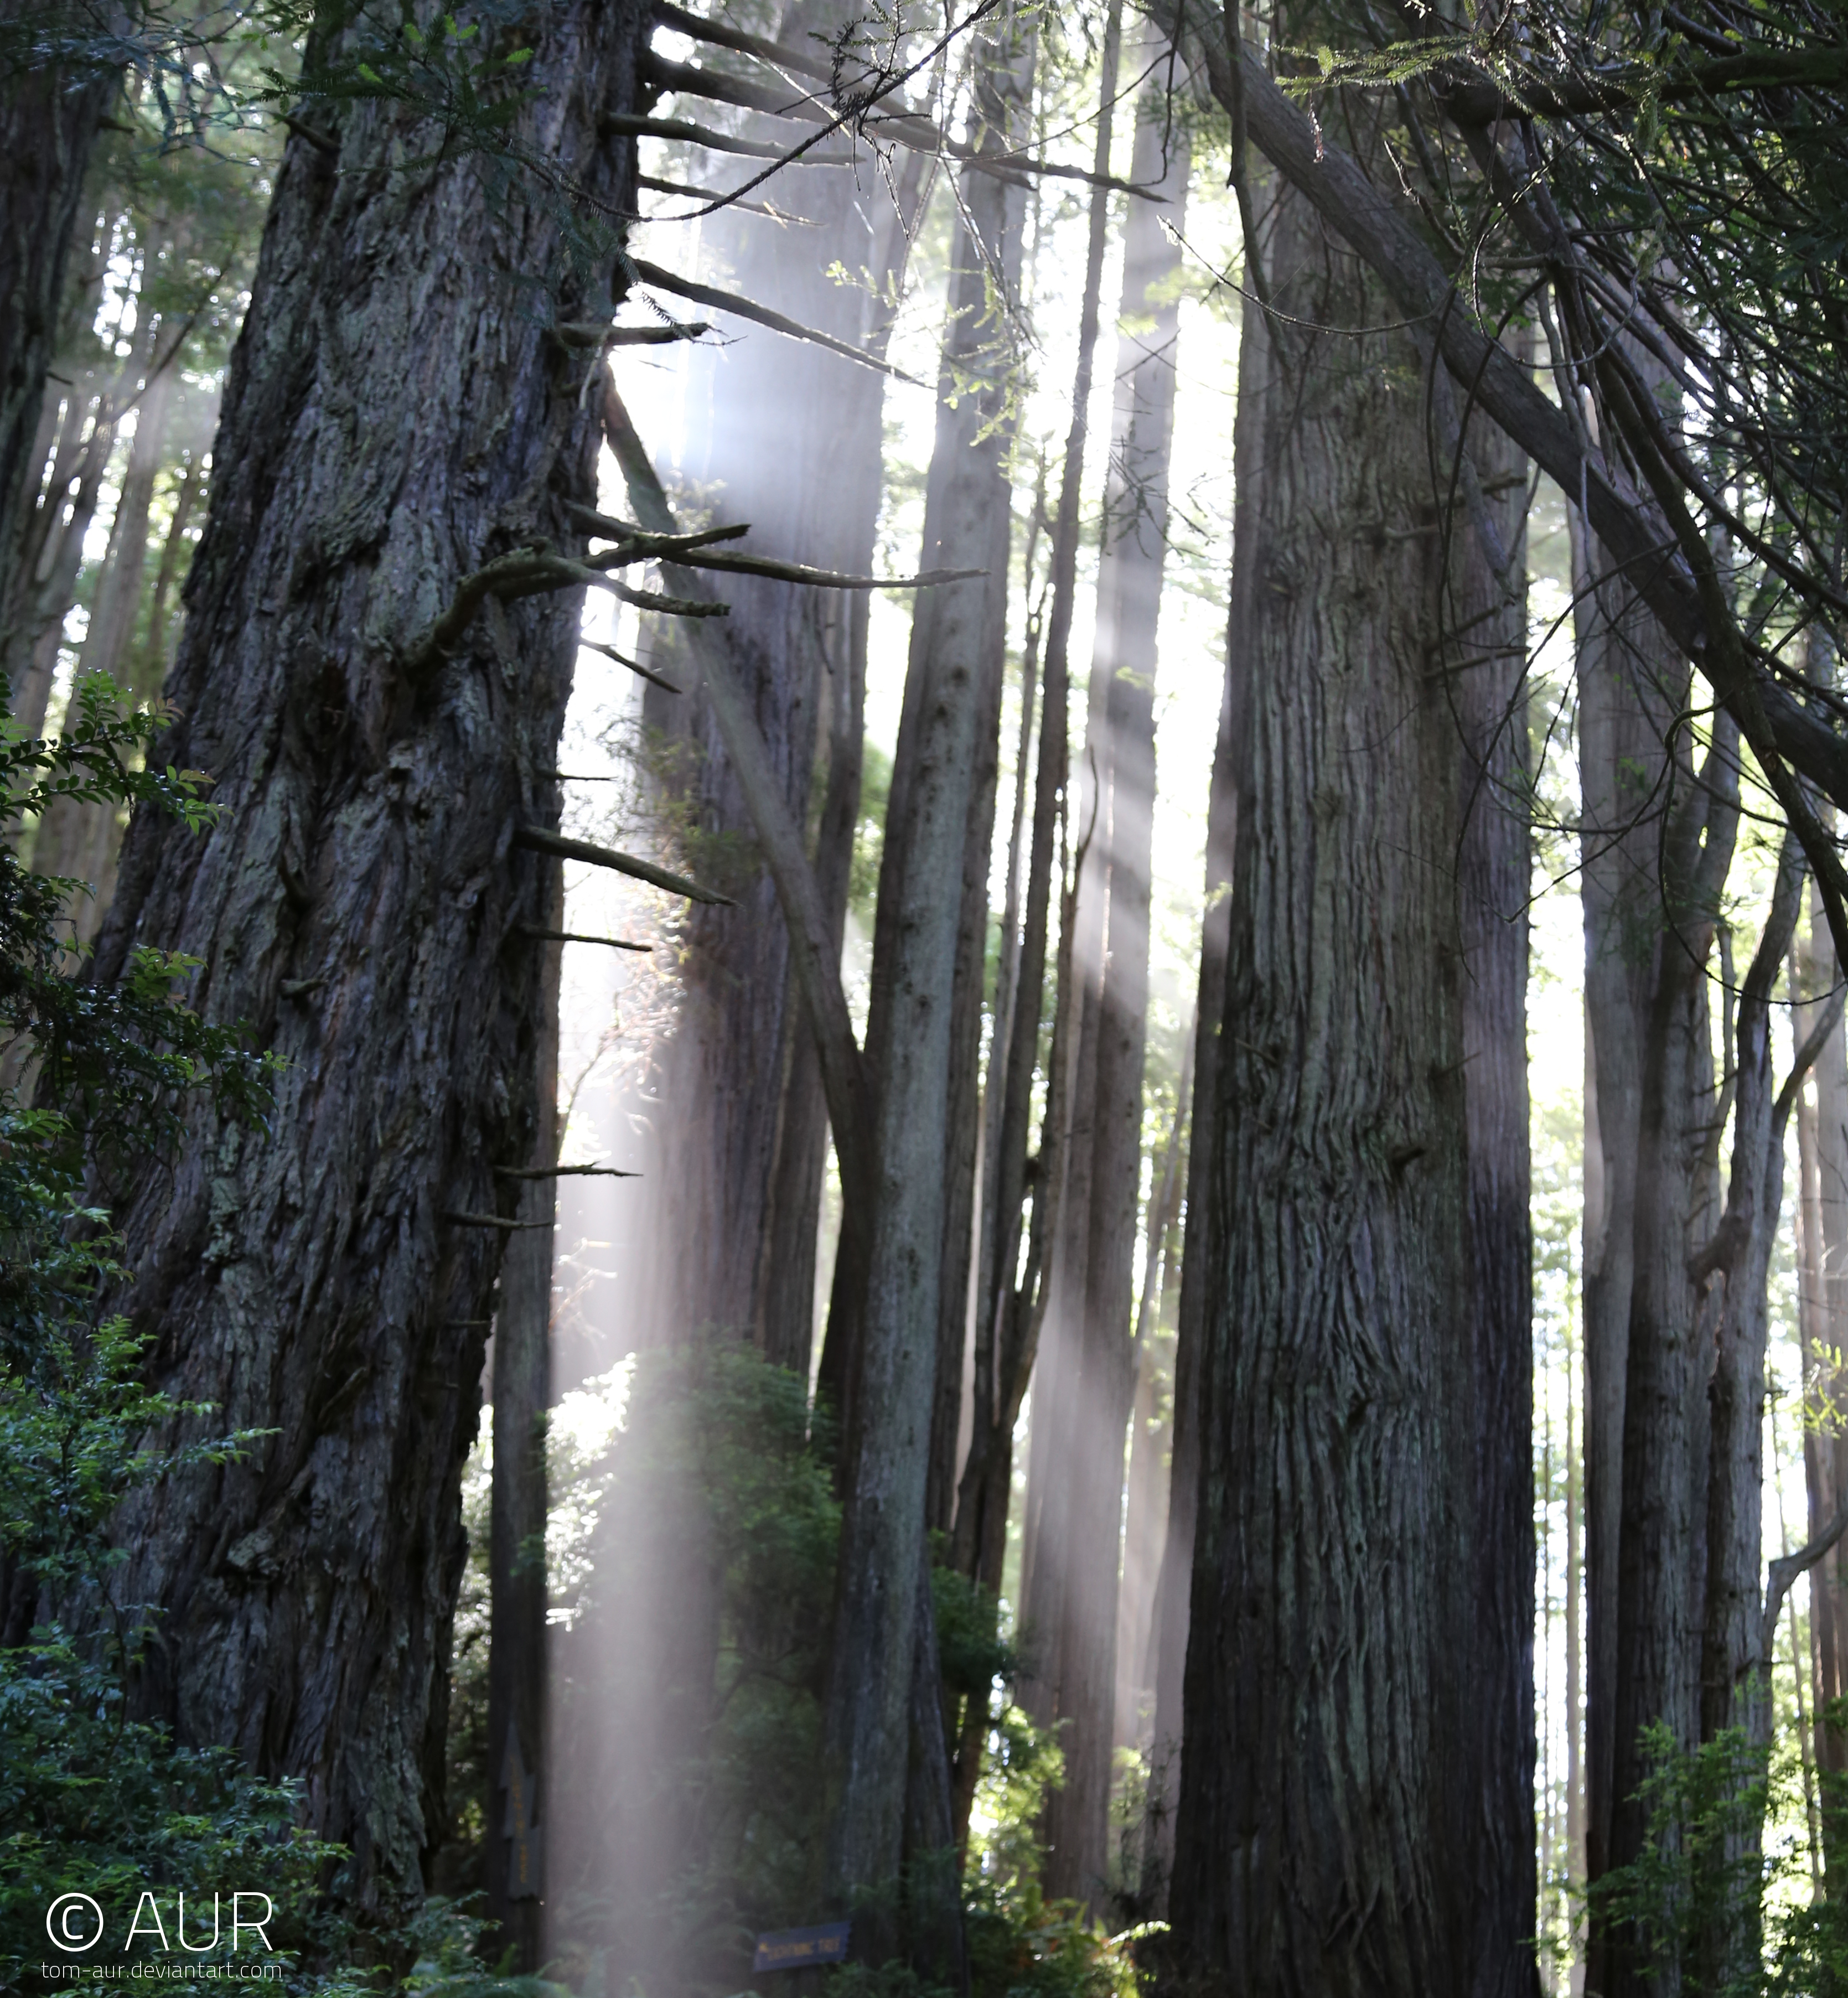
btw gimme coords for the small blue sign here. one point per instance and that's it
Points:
(796, 1949)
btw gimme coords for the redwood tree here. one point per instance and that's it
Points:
(1357, 1701)
(398, 413)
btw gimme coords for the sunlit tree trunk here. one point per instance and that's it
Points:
(1822, 1141)
(396, 416)
(1087, 1373)
(786, 437)
(1827, 1449)
(1199, 1253)
(885, 1321)
(1341, 1828)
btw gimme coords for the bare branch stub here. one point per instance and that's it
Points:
(537, 839)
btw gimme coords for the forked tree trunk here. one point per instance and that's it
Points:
(395, 417)
(885, 1322)
(1338, 1830)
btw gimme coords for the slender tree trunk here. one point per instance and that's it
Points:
(80, 839)
(150, 665)
(1631, 684)
(1657, 1639)
(1339, 1829)
(521, 1393)
(394, 419)
(786, 1286)
(1151, 1440)
(1736, 1643)
(1826, 1451)
(893, 1307)
(1103, 1215)
(49, 120)
(1495, 863)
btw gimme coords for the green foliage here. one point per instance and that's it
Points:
(93, 1801)
(1717, 1899)
(972, 1649)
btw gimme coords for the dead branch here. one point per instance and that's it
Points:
(909, 129)
(624, 125)
(635, 666)
(1784, 1570)
(535, 839)
(562, 1172)
(529, 572)
(575, 936)
(578, 333)
(781, 571)
(707, 295)
(680, 188)
(464, 1220)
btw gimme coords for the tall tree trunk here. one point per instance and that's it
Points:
(80, 839)
(520, 1391)
(972, 444)
(1335, 1822)
(48, 119)
(1145, 1506)
(786, 1286)
(1632, 685)
(1494, 865)
(885, 1322)
(1670, 1342)
(1823, 1137)
(1828, 1588)
(788, 437)
(1736, 1641)
(1105, 1170)
(394, 419)
(1201, 1247)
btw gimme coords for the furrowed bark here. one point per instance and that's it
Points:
(1332, 1813)
(1652, 538)
(391, 422)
